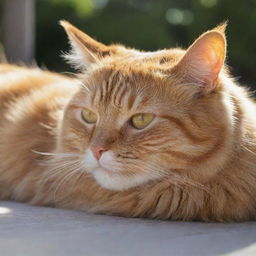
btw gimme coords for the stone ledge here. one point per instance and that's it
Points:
(29, 230)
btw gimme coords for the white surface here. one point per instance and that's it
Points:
(35, 231)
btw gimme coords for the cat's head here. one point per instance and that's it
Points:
(146, 116)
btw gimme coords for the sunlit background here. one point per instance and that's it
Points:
(145, 24)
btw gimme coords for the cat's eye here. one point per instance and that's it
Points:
(89, 116)
(142, 120)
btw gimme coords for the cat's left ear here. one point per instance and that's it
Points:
(204, 59)
(85, 50)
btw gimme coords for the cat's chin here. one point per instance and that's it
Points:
(117, 181)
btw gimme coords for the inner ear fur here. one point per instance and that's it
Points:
(203, 60)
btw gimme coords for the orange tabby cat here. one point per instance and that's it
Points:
(165, 134)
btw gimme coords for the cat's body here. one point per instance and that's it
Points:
(195, 159)
(30, 100)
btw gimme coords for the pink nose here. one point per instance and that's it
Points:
(98, 151)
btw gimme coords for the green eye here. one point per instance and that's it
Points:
(140, 121)
(89, 116)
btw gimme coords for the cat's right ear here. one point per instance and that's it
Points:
(85, 50)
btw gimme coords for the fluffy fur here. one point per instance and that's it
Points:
(195, 161)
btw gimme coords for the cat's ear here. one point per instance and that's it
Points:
(85, 50)
(204, 59)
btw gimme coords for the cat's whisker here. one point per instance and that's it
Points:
(156, 173)
(57, 171)
(246, 148)
(78, 177)
(64, 166)
(59, 165)
(56, 164)
(64, 180)
(59, 154)
(169, 173)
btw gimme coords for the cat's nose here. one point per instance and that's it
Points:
(98, 151)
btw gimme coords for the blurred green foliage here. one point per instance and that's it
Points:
(149, 25)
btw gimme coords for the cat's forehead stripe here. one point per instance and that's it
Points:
(116, 90)
(123, 91)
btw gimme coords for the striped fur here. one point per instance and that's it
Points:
(195, 161)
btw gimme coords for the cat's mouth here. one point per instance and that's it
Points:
(100, 168)
(110, 174)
